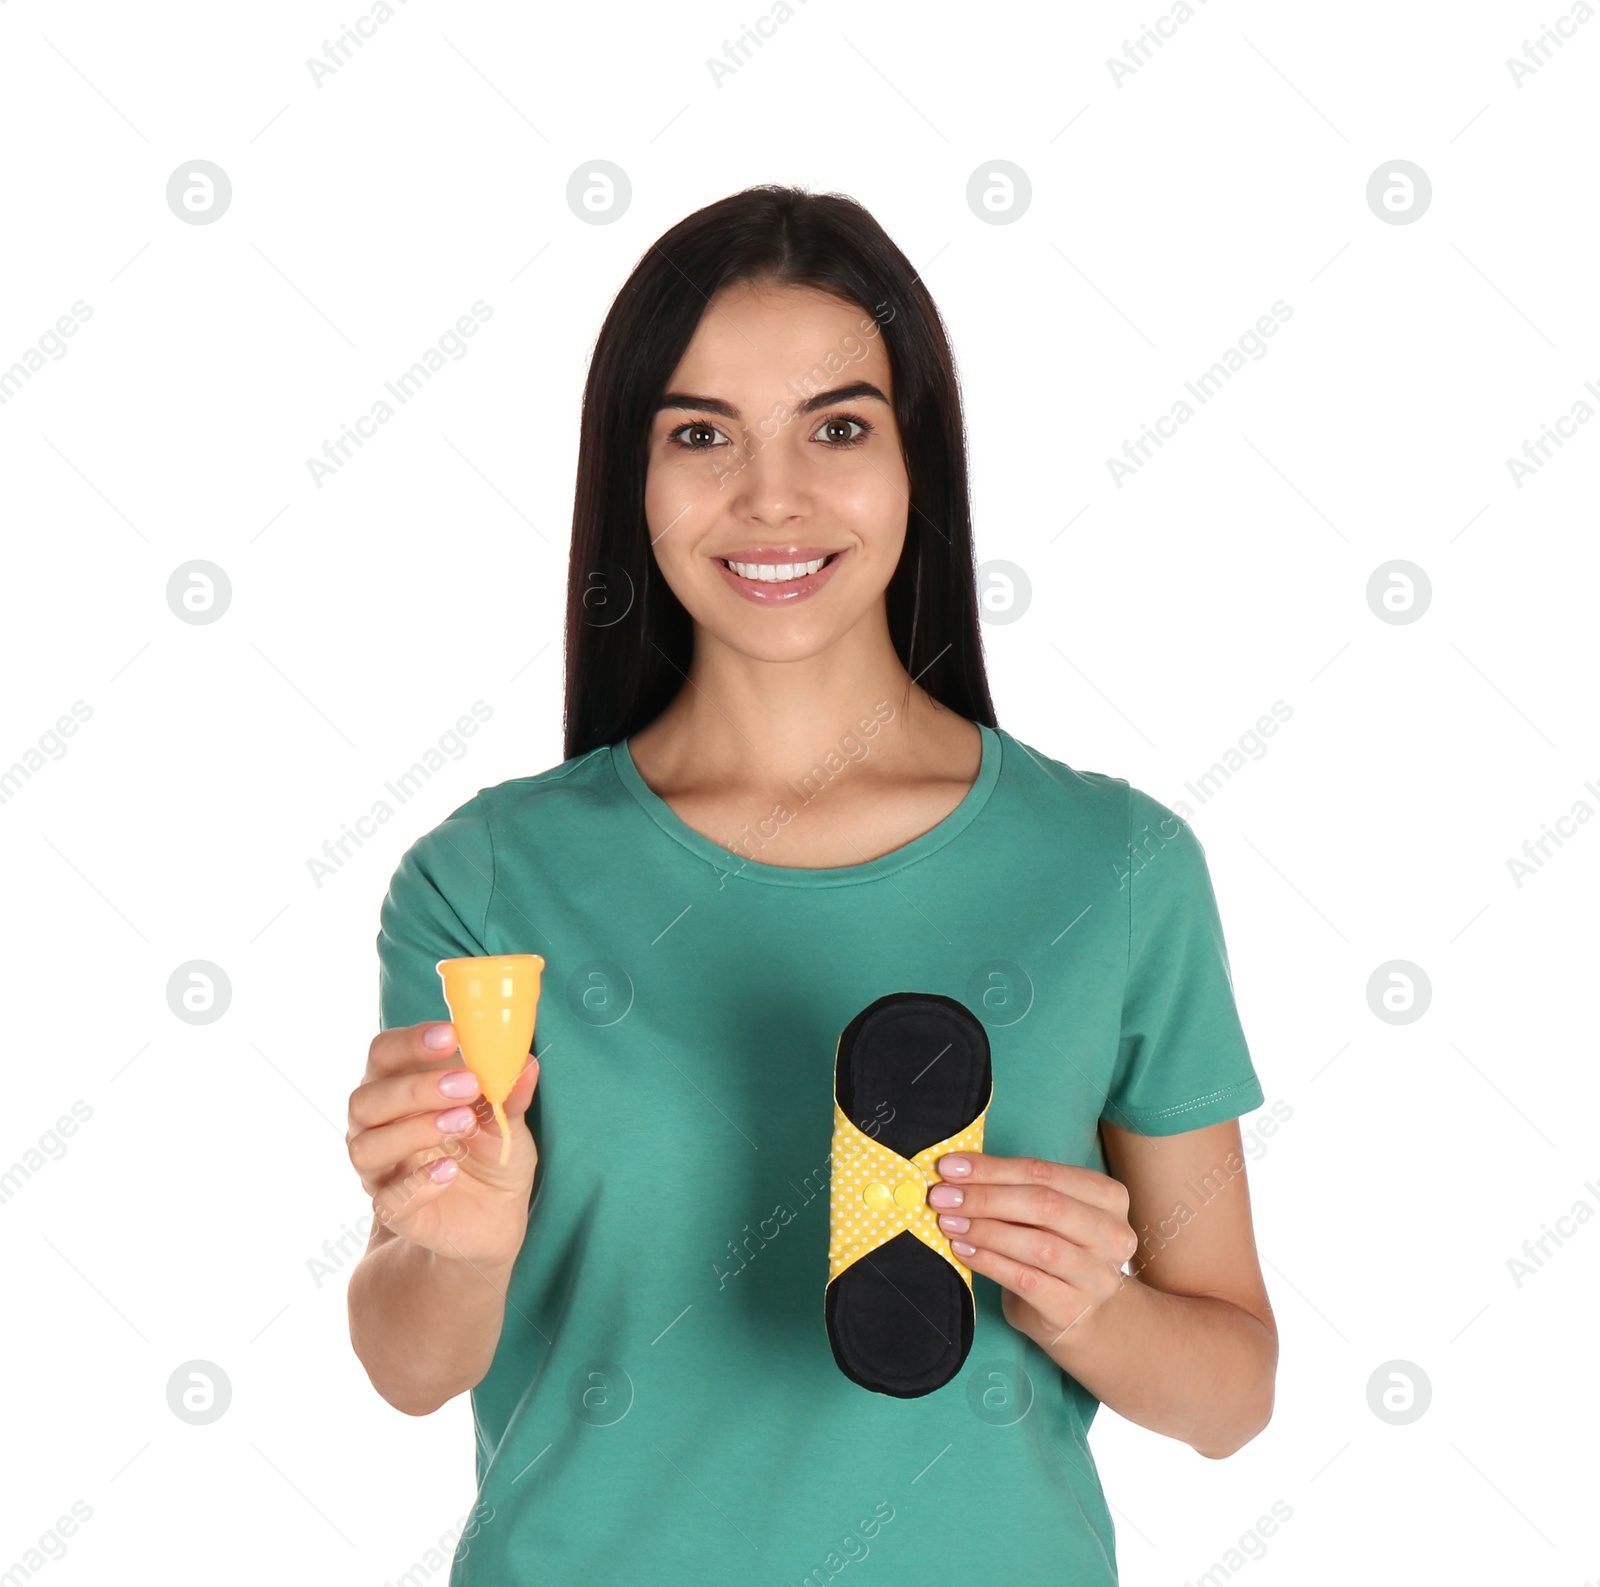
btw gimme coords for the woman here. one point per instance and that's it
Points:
(784, 796)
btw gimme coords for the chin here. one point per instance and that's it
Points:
(760, 643)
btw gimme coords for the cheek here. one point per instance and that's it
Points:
(681, 494)
(873, 499)
(681, 505)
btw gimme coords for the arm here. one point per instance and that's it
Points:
(1187, 1346)
(427, 1299)
(424, 1326)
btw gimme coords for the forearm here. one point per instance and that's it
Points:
(424, 1326)
(1192, 1367)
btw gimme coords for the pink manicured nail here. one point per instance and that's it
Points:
(961, 1248)
(946, 1196)
(951, 1224)
(440, 1037)
(955, 1164)
(459, 1083)
(444, 1170)
(454, 1120)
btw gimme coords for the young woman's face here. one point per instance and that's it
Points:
(775, 447)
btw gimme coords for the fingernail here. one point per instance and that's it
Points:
(459, 1083)
(946, 1196)
(951, 1224)
(961, 1248)
(440, 1037)
(955, 1164)
(444, 1170)
(455, 1120)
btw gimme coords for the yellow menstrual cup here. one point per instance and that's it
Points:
(493, 1004)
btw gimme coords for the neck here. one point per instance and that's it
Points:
(745, 722)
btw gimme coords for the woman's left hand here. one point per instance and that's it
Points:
(1053, 1236)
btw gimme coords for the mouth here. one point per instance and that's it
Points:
(771, 583)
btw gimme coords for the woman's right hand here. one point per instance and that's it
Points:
(414, 1115)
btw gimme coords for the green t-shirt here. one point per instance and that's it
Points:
(663, 1405)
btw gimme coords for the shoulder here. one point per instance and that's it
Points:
(1096, 796)
(569, 786)
(1112, 810)
(567, 789)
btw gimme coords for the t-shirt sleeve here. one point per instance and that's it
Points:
(436, 906)
(1182, 1059)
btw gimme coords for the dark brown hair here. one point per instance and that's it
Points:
(629, 640)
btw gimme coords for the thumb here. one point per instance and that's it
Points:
(521, 1094)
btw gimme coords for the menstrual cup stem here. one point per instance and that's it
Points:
(505, 1132)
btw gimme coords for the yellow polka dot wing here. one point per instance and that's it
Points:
(912, 1082)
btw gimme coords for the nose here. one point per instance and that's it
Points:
(767, 481)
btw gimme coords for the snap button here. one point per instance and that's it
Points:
(909, 1194)
(877, 1195)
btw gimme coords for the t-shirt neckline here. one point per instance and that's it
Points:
(926, 843)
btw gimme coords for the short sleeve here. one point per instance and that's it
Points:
(436, 907)
(1182, 1059)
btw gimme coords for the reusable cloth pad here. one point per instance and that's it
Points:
(912, 1082)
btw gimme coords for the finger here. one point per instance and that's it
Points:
(1099, 1190)
(396, 1097)
(468, 1130)
(419, 1090)
(521, 1094)
(1048, 1295)
(1088, 1270)
(1044, 1209)
(1068, 1301)
(377, 1153)
(395, 1201)
(382, 1100)
(409, 1047)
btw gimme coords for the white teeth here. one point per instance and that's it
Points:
(775, 573)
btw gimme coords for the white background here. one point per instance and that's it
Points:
(1168, 613)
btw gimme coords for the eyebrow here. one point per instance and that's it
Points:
(726, 410)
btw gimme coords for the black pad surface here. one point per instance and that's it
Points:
(900, 1319)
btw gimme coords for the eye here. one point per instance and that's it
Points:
(696, 427)
(841, 419)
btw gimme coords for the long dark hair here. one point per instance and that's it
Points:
(629, 640)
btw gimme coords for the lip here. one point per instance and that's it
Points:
(771, 555)
(792, 590)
